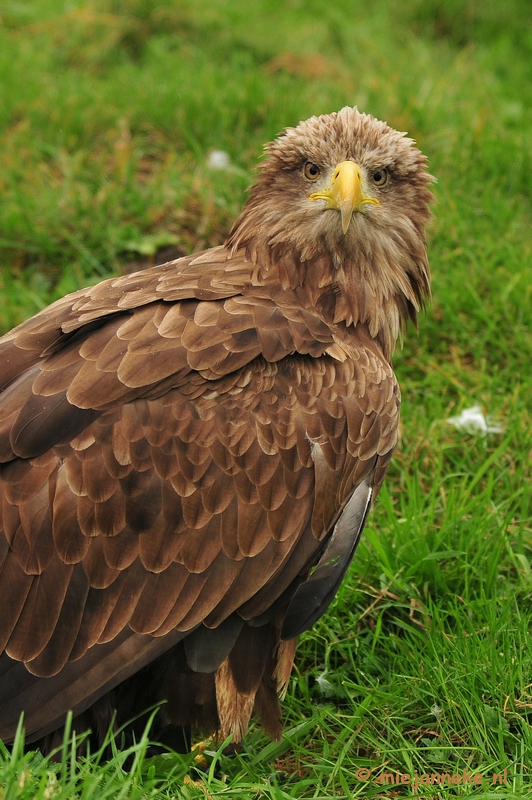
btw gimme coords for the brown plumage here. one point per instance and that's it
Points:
(181, 446)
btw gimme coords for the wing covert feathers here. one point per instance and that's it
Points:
(181, 446)
(176, 463)
(182, 492)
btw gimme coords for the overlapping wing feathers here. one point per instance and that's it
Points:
(176, 444)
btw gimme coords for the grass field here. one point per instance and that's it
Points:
(110, 110)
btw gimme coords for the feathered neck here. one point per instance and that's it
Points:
(373, 277)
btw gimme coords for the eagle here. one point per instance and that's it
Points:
(188, 454)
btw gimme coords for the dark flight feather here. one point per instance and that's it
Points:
(314, 596)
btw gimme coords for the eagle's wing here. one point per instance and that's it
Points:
(177, 445)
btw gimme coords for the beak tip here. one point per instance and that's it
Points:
(346, 214)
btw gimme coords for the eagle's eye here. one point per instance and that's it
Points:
(311, 171)
(380, 177)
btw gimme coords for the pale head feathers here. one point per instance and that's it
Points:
(377, 273)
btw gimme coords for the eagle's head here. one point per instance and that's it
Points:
(342, 201)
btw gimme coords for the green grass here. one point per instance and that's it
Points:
(109, 111)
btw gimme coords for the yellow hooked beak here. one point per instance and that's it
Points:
(345, 192)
